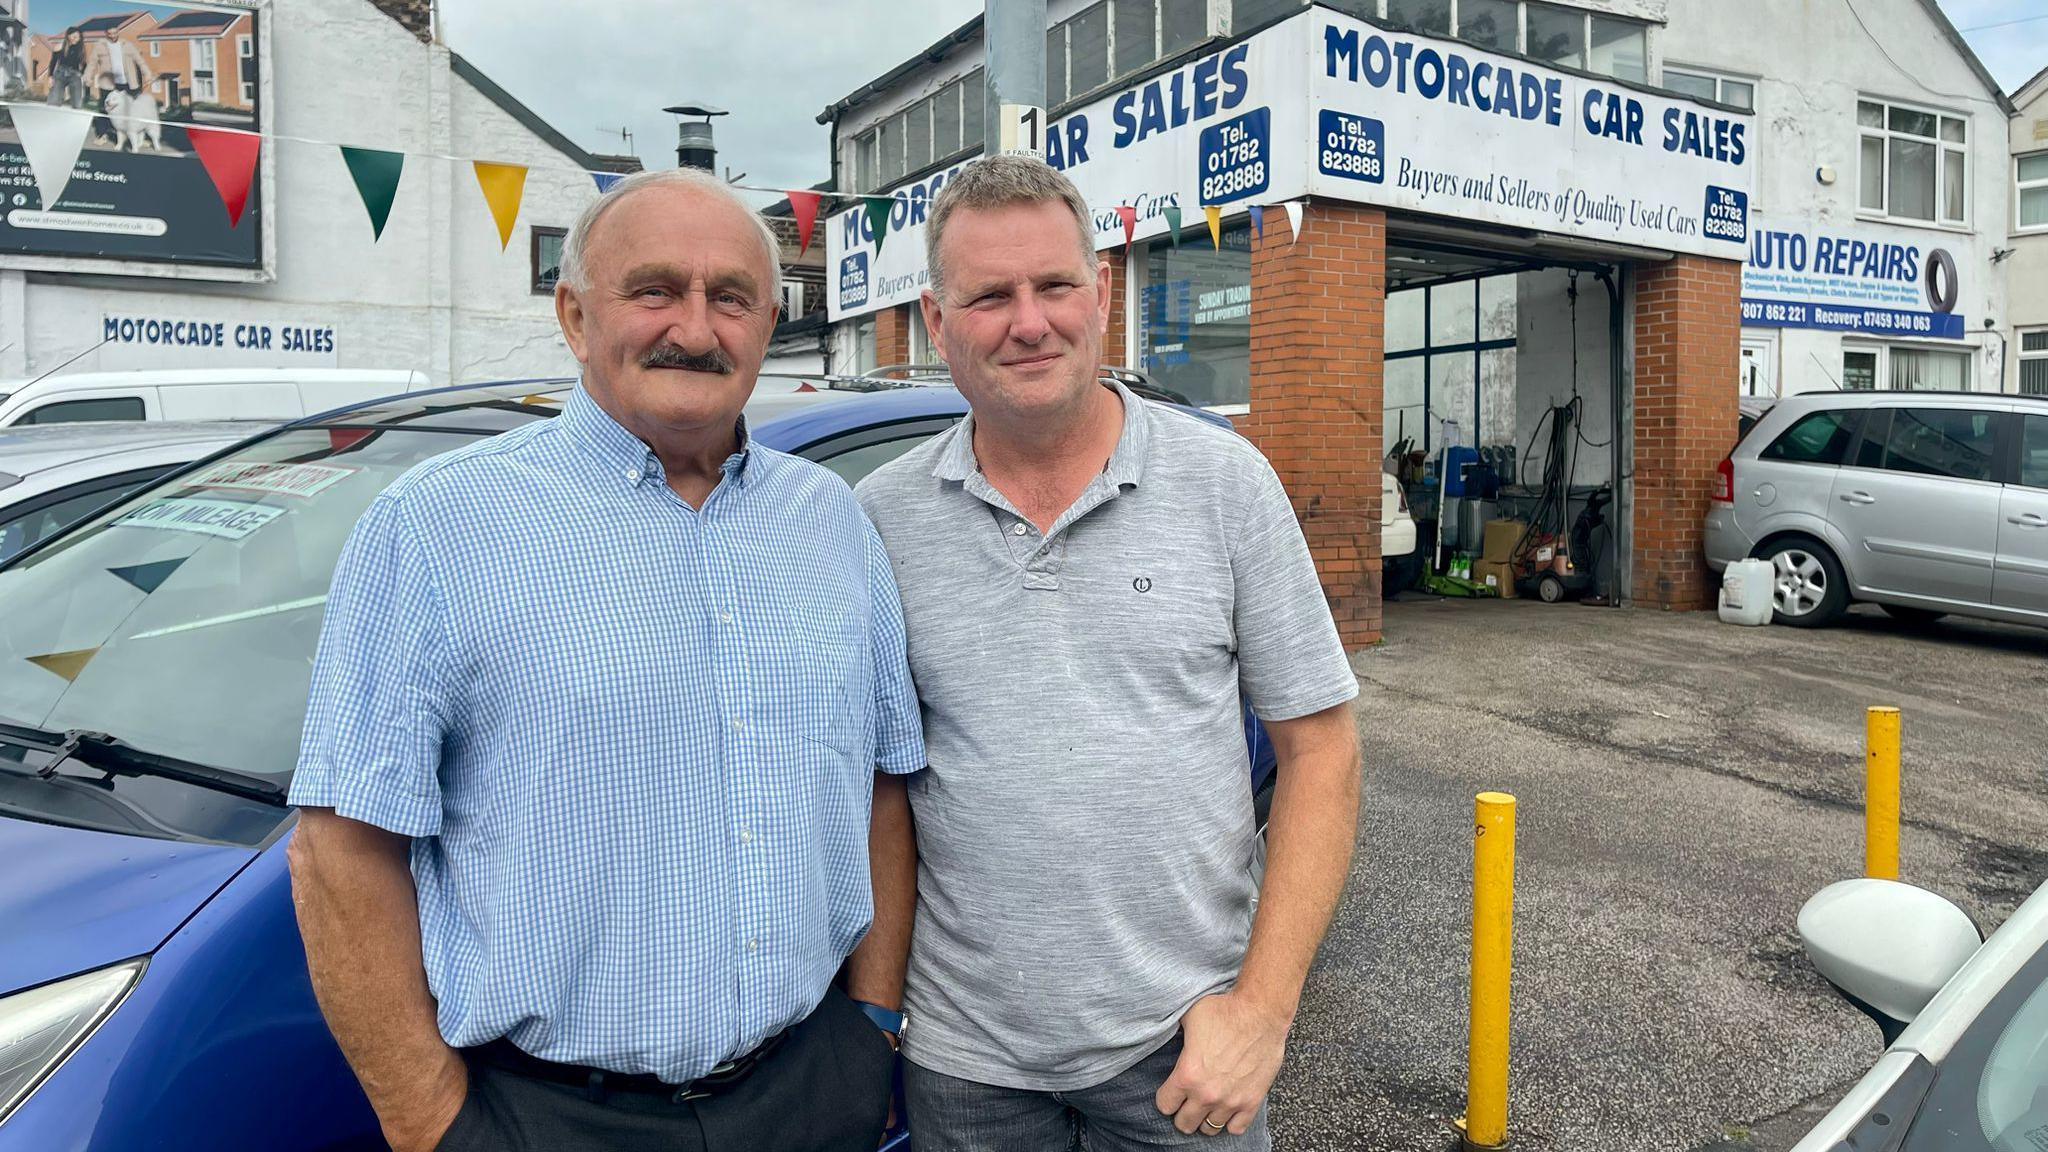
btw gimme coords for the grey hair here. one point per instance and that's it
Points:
(1000, 182)
(576, 274)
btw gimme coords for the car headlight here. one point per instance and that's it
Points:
(42, 1026)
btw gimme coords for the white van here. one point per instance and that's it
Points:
(196, 394)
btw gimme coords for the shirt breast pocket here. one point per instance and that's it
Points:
(827, 658)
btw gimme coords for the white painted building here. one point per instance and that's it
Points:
(438, 293)
(2026, 328)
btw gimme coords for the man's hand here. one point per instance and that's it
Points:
(1231, 1050)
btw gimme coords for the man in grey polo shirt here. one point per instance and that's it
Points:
(1090, 581)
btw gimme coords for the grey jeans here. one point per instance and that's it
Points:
(948, 1114)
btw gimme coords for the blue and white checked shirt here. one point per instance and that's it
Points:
(635, 742)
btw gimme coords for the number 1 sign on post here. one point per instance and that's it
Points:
(1023, 130)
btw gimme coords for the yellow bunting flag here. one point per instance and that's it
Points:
(65, 664)
(503, 185)
(1215, 214)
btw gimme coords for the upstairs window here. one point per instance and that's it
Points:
(1914, 163)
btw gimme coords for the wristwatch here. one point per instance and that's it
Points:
(887, 1021)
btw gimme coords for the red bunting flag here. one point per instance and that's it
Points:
(804, 206)
(230, 161)
(1129, 216)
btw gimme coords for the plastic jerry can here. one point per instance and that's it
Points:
(1746, 593)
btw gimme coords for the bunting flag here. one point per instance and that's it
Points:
(605, 180)
(149, 577)
(1129, 215)
(376, 175)
(1258, 220)
(52, 138)
(803, 206)
(1172, 213)
(878, 217)
(230, 161)
(504, 185)
(65, 664)
(1293, 208)
(1215, 214)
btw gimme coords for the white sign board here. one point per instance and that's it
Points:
(1864, 278)
(1434, 126)
(175, 338)
(1326, 104)
(1230, 128)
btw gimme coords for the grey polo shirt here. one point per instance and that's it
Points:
(1085, 831)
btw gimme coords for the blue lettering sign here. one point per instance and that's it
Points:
(1353, 147)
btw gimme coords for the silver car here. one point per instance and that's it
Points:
(52, 475)
(1924, 503)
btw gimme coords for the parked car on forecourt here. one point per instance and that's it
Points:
(274, 394)
(52, 476)
(1966, 1024)
(1924, 503)
(154, 664)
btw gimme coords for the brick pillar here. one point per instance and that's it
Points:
(1113, 339)
(1317, 412)
(1688, 330)
(892, 335)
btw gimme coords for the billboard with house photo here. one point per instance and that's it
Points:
(144, 74)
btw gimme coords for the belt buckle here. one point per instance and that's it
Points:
(719, 1076)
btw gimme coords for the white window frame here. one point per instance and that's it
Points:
(2020, 186)
(156, 49)
(1883, 380)
(1721, 80)
(245, 47)
(1942, 146)
(2025, 357)
(1521, 45)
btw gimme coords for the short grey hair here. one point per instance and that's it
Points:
(999, 182)
(576, 274)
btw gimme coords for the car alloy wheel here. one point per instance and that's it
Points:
(1799, 582)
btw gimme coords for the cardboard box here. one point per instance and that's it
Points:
(1499, 577)
(1497, 543)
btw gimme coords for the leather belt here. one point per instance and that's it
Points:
(596, 1083)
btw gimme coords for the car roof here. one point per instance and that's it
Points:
(1866, 397)
(505, 405)
(25, 451)
(397, 379)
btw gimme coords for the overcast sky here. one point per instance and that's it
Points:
(592, 69)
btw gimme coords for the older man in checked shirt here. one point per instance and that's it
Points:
(598, 713)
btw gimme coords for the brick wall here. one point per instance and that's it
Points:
(1113, 339)
(1316, 404)
(892, 335)
(1688, 323)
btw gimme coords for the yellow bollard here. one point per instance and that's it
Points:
(1881, 794)
(1493, 923)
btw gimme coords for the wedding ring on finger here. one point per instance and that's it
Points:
(1212, 1128)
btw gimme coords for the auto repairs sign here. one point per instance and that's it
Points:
(1228, 129)
(1406, 121)
(1870, 280)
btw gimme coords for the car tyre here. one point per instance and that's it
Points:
(1919, 617)
(1399, 573)
(1808, 588)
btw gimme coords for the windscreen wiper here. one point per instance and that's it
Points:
(117, 757)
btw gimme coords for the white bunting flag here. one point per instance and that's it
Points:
(1293, 219)
(53, 138)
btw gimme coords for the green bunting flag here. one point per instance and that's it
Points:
(1172, 213)
(376, 175)
(878, 217)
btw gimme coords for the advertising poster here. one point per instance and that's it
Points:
(147, 73)
(1867, 279)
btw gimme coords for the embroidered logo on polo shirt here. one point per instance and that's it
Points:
(1142, 584)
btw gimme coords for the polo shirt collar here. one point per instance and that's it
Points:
(1126, 460)
(626, 456)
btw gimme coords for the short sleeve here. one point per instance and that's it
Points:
(378, 709)
(1290, 661)
(899, 730)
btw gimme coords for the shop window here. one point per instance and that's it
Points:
(1711, 86)
(1430, 17)
(973, 93)
(2032, 190)
(1928, 370)
(2034, 362)
(1914, 163)
(1450, 355)
(1557, 35)
(1251, 15)
(917, 136)
(1495, 24)
(864, 345)
(1088, 50)
(892, 168)
(547, 259)
(1195, 315)
(946, 122)
(1618, 48)
(1859, 369)
(1056, 66)
(1182, 25)
(1137, 34)
(867, 157)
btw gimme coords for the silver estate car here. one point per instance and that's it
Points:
(1924, 503)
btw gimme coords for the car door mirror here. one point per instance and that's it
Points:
(1888, 947)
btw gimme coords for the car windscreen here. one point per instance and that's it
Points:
(184, 620)
(1990, 1092)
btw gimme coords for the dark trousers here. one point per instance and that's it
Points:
(824, 1089)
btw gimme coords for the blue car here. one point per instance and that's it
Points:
(154, 662)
